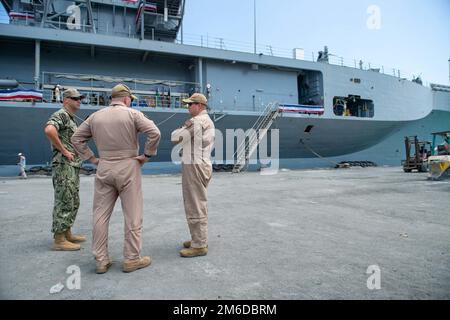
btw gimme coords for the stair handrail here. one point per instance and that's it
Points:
(261, 117)
(267, 116)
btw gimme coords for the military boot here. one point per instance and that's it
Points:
(102, 267)
(61, 243)
(193, 252)
(73, 237)
(133, 265)
(187, 244)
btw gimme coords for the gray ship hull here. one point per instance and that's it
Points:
(382, 107)
(388, 152)
(22, 131)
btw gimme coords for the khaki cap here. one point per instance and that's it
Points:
(122, 90)
(196, 98)
(72, 93)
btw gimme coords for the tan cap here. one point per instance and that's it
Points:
(122, 90)
(72, 93)
(196, 98)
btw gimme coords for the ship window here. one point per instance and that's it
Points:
(353, 106)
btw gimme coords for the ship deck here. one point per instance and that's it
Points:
(298, 234)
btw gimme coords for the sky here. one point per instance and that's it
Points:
(413, 35)
(410, 35)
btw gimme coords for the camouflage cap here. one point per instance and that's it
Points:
(122, 90)
(196, 98)
(72, 93)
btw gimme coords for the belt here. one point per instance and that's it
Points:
(118, 154)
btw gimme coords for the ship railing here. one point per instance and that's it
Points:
(55, 24)
(153, 8)
(216, 42)
(101, 98)
(97, 89)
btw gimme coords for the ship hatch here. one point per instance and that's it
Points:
(353, 106)
(310, 87)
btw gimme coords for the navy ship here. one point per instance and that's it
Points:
(325, 109)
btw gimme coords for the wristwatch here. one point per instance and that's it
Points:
(147, 156)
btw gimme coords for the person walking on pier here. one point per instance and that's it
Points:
(197, 138)
(66, 166)
(115, 131)
(22, 165)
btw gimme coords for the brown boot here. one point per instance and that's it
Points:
(102, 267)
(193, 252)
(133, 265)
(187, 244)
(74, 238)
(61, 243)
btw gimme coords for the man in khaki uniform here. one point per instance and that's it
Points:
(197, 137)
(115, 132)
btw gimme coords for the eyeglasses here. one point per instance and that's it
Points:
(192, 103)
(75, 99)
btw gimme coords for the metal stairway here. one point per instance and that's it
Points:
(258, 131)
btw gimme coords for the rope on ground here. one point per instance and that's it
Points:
(316, 154)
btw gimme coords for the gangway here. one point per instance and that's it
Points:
(257, 133)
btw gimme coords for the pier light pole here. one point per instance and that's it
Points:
(254, 26)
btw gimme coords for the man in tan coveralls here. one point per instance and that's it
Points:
(115, 132)
(197, 137)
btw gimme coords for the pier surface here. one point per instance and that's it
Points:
(298, 234)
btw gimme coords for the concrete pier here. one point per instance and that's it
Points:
(303, 234)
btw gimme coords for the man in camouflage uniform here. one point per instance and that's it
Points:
(66, 168)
